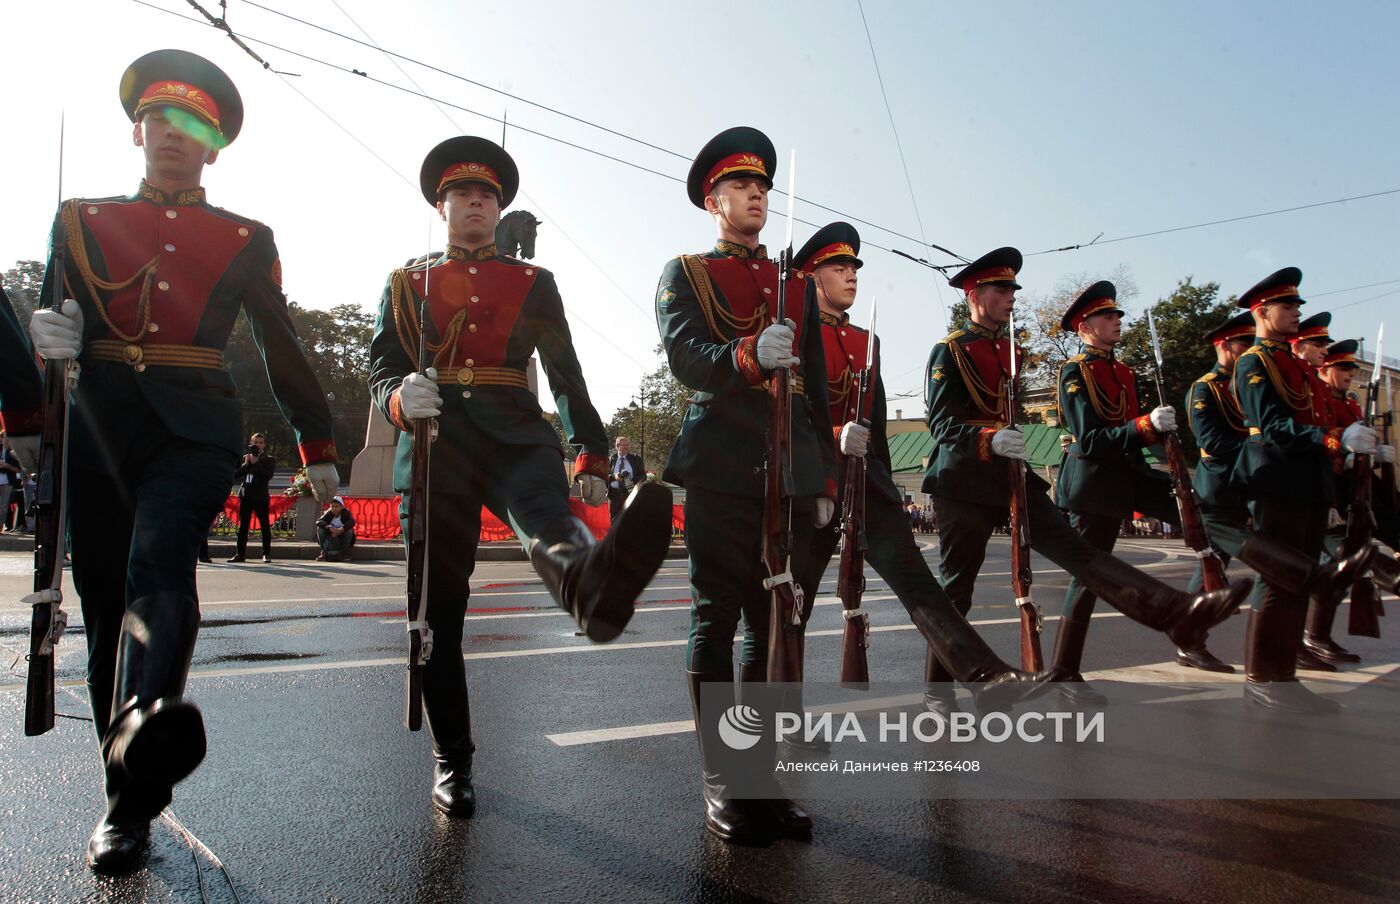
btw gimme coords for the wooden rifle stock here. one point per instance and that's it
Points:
(48, 619)
(850, 580)
(1031, 657)
(1363, 620)
(785, 609)
(1193, 529)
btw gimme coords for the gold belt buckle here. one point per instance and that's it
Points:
(132, 355)
(465, 375)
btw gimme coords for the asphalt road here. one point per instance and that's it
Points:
(313, 791)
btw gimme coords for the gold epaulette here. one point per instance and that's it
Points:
(1208, 378)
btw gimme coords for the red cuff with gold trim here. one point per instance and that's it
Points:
(830, 491)
(1143, 425)
(590, 464)
(22, 423)
(316, 451)
(984, 443)
(396, 411)
(746, 360)
(1332, 441)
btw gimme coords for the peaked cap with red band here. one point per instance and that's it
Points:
(1100, 297)
(833, 242)
(739, 151)
(1314, 327)
(1282, 285)
(997, 268)
(1240, 326)
(1342, 354)
(186, 81)
(468, 158)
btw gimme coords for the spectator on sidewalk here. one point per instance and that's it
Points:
(253, 476)
(10, 477)
(335, 532)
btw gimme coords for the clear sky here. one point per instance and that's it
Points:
(1030, 124)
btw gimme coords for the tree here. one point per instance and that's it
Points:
(652, 420)
(1183, 318)
(23, 284)
(336, 343)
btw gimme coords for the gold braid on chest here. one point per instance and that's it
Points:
(714, 312)
(989, 400)
(405, 307)
(1228, 406)
(1109, 411)
(839, 390)
(77, 245)
(1300, 400)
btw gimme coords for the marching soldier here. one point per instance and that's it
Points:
(1310, 347)
(1220, 431)
(967, 477)
(21, 388)
(1104, 477)
(711, 310)
(157, 280)
(1286, 469)
(830, 258)
(1337, 371)
(486, 314)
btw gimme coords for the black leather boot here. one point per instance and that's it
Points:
(1069, 653)
(1198, 657)
(1317, 636)
(1270, 651)
(115, 848)
(787, 818)
(449, 721)
(956, 650)
(1385, 569)
(735, 820)
(1298, 573)
(155, 737)
(940, 696)
(1182, 616)
(598, 582)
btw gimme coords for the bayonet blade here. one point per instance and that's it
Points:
(792, 197)
(1156, 345)
(870, 343)
(1011, 331)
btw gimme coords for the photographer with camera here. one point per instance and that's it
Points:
(625, 471)
(253, 476)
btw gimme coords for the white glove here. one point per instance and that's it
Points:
(1359, 438)
(775, 346)
(57, 335)
(855, 440)
(825, 509)
(595, 488)
(1009, 443)
(419, 396)
(26, 449)
(324, 480)
(1163, 419)
(1385, 455)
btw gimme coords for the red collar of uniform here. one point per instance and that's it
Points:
(734, 249)
(486, 252)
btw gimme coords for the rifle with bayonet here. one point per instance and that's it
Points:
(1193, 528)
(1031, 657)
(1363, 620)
(850, 578)
(48, 619)
(785, 607)
(420, 637)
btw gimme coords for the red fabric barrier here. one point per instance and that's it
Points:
(277, 507)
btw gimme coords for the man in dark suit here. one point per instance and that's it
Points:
(253, 476)
(625, 471)
(157, 281)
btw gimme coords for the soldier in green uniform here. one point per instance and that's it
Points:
(1104, 477)
(830, 257)
(1286, 470)
(713, 312)
(157, 281)
(1336, 370)
(970, 485)
(1219, 429)
(486, 314)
